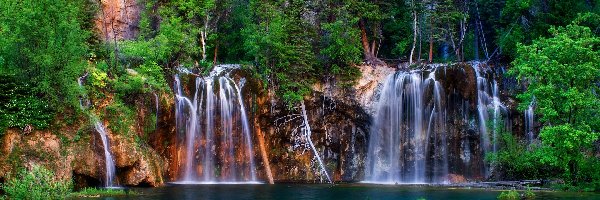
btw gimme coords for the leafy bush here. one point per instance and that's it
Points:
(509, 195)
(19, 107)
(516, 160)
(38, 183)
(529, 194)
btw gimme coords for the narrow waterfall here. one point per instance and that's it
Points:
(409, 123)
(529, 120)
(218, 139)
(110, 168)
(307, 135)
(109, 162)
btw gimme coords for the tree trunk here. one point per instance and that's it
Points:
(412, 50)
(263, 151)
(365, 40)
(204, 37)
(215, 53)
(430, 48)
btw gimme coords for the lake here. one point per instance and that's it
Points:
(325, 191)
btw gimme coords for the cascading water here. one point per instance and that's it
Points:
(529, 120)
(409, 121)
(110, 168)
(215, 152)
(108, 159)
(488, 105)
(307, 135)
(423, 134)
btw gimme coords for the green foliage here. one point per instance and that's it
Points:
(528, 194)
(38, 183)
(98, 78)
(19, 107)
(509, 195)
(281, 46)
(342, 46)
(43, 45)
(169, 44)
(120, 118)
(522, 21)
(561, 72)
(517, 161)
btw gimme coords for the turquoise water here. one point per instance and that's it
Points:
(323, 191)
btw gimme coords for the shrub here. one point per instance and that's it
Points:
(516, 160)
(509, 195)
(20, 107)
(95, 192)
(529, 194)
(38, 183)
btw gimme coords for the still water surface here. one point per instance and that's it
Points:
(327, 192)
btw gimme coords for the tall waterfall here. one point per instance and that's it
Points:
(409, 123)
(109, 163)
(410, 139)
(490, 110)
(218, 140)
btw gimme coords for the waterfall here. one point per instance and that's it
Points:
(109, 163)
(307, 134)
(488, 105)
(529, 120)
(220, 152)
(409, 121)
(410, 139)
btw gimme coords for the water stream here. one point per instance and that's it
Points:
(109, 163)
(409, 141)
(218, 140)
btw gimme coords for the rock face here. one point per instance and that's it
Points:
(118, 19)
(75, 152)
(340, 120)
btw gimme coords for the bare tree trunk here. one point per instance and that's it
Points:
(430, 48)
(203, 37)
(263, 151)
(420, 46)
(412, 50)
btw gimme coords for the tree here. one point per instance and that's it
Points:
(369, 15)
(282, 41)
(43, 45)
(563, 72)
